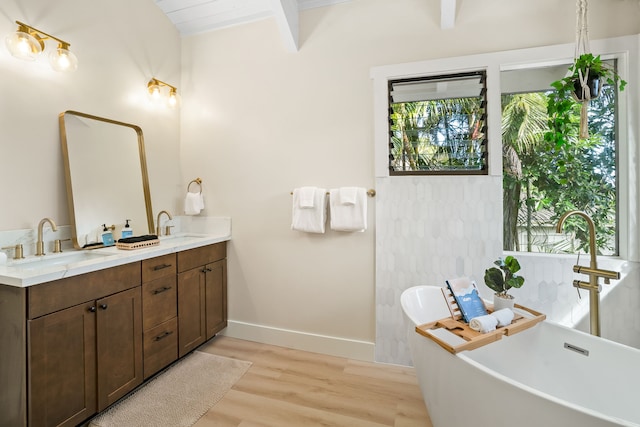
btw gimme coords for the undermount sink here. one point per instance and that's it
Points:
(49, 260)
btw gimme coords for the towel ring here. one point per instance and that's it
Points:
(197, 181)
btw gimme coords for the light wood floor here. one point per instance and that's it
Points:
(286, 387)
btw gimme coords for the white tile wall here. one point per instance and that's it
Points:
(429, 229)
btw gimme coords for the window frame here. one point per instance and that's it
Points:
(484, 170)
(625, 49)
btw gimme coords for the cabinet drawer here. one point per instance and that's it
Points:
(159, 301)
(161, 266)
(53, 296)
(160, 346)
(198, 257)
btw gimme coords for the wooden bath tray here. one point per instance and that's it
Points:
(475, 339)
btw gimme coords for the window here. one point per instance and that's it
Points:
(438, 125)
(542, 181)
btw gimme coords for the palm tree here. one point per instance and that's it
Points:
(426, 134)
(524, 121)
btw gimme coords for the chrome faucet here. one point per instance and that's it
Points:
(40, 242)
(158, 228)
(592, 271)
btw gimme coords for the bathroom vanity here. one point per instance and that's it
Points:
(77, 337)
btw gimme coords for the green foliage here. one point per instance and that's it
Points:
(563, 126)
(503, 277)
(437, 135)
(576, 176)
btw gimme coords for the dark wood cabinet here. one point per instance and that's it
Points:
(62, 367)
(191, 310)
(159, 313)
(119, 345)
(216, 297)
(83, 358)
(202, 295)
(72, 347)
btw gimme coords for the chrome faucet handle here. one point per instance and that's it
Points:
(18, 252)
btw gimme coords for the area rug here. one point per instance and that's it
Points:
(179, 396)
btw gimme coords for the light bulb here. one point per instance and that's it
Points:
(23, 45)
(154, 91)
(174, 99)
(62, 59)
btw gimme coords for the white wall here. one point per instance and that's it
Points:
(256, 123)
(120, 45)
(259, 121)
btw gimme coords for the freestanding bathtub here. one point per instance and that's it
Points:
(549, 375)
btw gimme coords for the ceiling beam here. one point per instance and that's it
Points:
(447, 14)
(287, 16)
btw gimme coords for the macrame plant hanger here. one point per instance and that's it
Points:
(582, 46)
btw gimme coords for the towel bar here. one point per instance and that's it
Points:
(370, 192)
(197, 181)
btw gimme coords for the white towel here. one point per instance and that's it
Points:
(193, 203)
(348, 217)
(504, 316)
(306, 197)
(311, 220)
(348, 195)
(484, 324)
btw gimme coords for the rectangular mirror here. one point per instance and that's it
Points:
(106, 176)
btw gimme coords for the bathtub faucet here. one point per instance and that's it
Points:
(592, 271)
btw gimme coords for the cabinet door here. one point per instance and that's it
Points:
(119, 344)
(191, 310)
(216, 297)
(62, 376)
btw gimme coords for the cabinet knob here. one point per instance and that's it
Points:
(92, 309)
(103, 306)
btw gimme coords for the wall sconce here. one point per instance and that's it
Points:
(154, 86)
(28, 42)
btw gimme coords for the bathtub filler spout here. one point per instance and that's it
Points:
(592, 271)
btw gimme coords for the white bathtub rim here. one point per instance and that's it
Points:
(545, 395)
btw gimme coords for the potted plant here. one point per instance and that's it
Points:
(502, 278)
(584, 82)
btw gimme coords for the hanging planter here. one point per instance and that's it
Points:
(588, 88)
(583, 83)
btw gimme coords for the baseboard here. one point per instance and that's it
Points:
(351, 349)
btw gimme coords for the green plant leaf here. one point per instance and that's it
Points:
(512, 264)
(515, 282)
(494, 280)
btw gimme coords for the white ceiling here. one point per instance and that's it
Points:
(199, 16)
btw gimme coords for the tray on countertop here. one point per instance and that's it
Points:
(137, 245)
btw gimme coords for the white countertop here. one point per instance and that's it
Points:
(34, 270)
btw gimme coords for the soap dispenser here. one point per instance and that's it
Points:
(127, 231)
(107, 236)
